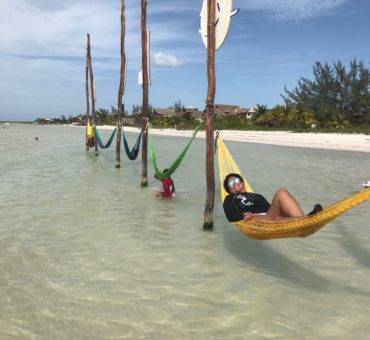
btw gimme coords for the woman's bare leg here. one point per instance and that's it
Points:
(283, 207)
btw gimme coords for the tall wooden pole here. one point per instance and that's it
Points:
(144, 112)
(87, 87)
(121, 86)
(92, 86)
(210, 173)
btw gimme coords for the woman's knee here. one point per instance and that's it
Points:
(283, 192)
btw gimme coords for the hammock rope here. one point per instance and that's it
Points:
(132, 155)
(178, 160)
(108, 143)
(299, 227)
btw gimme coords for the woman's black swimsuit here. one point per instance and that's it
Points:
(235, 205)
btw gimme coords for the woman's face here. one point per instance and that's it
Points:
(235, 185)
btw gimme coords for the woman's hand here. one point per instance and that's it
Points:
(248, 216)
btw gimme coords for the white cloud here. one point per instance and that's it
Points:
(61, 29)
(163, 59)
(292, 10)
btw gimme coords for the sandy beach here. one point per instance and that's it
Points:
(334, 141)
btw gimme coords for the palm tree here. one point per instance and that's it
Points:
(298, 115)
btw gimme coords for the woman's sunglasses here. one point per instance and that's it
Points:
(235, 180)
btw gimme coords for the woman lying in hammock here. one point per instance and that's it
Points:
(241, 205)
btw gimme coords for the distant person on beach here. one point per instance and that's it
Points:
(241, 205)
(168, 187)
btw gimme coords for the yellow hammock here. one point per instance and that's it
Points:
(89, 129)
(90, 135)
(299, 227)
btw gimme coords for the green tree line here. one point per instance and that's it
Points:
(335, 95)
(338, 97)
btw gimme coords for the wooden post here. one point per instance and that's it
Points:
(92, 86)
(87, 85)
(210, 173)
(144, 111)
(121, 86)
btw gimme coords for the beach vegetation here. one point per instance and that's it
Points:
(335, 94)
(102, 116)
(337, 98)
(178, 106)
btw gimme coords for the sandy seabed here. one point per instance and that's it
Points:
(334, 141)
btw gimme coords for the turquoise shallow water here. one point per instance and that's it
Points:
(86, 253)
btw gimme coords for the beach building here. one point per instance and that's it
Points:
(192, 112)
(164, 112)
(223, 110)
(251, 112)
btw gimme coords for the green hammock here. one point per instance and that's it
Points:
(178, 160)
(108, 143)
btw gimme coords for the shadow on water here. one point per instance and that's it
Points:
(350, 244)
(263, 257)
(266, 259)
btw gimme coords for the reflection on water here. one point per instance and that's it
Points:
(87, 253)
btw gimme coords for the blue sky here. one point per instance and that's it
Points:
(271, 44)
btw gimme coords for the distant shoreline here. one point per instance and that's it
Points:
(327, 141)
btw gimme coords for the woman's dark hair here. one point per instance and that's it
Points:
(227, 179)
